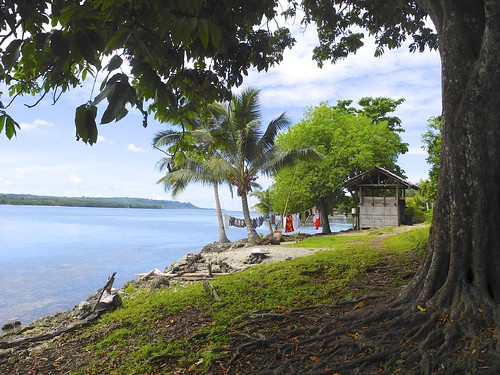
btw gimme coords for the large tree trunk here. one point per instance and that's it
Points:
(253, 236)
(462, 265)
(323, 212)
(222, 232)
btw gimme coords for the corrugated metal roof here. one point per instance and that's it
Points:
(366, 178)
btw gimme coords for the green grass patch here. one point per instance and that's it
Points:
(414, 239)
(138, 331)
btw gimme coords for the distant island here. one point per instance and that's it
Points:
(119, 202)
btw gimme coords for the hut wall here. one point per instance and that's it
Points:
(378, 212)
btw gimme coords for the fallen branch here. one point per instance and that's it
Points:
(106, 289)
(50, 335)
(209, 288)
(86, 319)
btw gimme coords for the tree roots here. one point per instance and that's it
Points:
(365, 337)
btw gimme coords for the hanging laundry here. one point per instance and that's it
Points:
(240, 223)
(298, 223)
(289, 224)
(317, 220)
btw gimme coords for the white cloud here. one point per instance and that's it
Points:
(74, 179)
(133, 148)
(4, 181)
(417, 151)
(25, 126)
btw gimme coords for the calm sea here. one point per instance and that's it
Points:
(52, 258)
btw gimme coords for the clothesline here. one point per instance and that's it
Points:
(230, 221)
(288, 222)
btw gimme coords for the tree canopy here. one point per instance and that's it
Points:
(168, 58)
(351, 142)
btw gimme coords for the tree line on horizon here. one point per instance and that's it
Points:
(118, 202)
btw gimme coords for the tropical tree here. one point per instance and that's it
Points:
(192, 158)
(458, 283)
(351, 142)
(432, 144)
(251, 149)
(264, 206)
(377, 109)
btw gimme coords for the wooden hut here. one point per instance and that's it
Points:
(379, 197)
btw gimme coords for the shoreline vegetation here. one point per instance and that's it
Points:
(114, 202)
(215, 324)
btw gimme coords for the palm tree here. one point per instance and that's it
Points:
(264, 206)
(250, 149)
(192, 159)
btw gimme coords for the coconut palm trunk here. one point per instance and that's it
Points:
(222, 232)
(253, 236)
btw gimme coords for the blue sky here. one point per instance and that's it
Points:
(45, 158)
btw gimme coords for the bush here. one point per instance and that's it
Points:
(413, 212)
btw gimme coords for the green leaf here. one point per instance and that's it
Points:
(203, 31)
(121, 94)
(3, 116)
(67, 13)
(97, 40)
(41, 40)
(12, 54)
(115, 62)
(86, 128)
(184, 30)
(215, 35)
(118, 40)
(59, 44)
(121, 113)
(10, 127)
(86, 48)
(105, 92)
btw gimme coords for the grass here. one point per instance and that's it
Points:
(187, 327)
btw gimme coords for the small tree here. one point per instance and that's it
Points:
(265, 206)
(351, 142)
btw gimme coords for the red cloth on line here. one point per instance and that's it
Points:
(289, 224)
(317, 221)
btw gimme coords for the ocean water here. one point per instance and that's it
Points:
(52, 258)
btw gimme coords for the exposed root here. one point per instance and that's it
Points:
(360, 337)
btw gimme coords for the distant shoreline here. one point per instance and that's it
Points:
(115, 202)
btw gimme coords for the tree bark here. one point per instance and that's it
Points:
(325, 222)
(461, 269)
(222, 232)
(253, 236)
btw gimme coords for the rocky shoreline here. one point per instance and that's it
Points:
(213, 259)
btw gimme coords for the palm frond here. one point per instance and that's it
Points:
(273, 128)
(167, 138)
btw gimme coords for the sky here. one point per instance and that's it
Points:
(45, 158)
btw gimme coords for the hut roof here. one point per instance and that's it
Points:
(378, 177)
